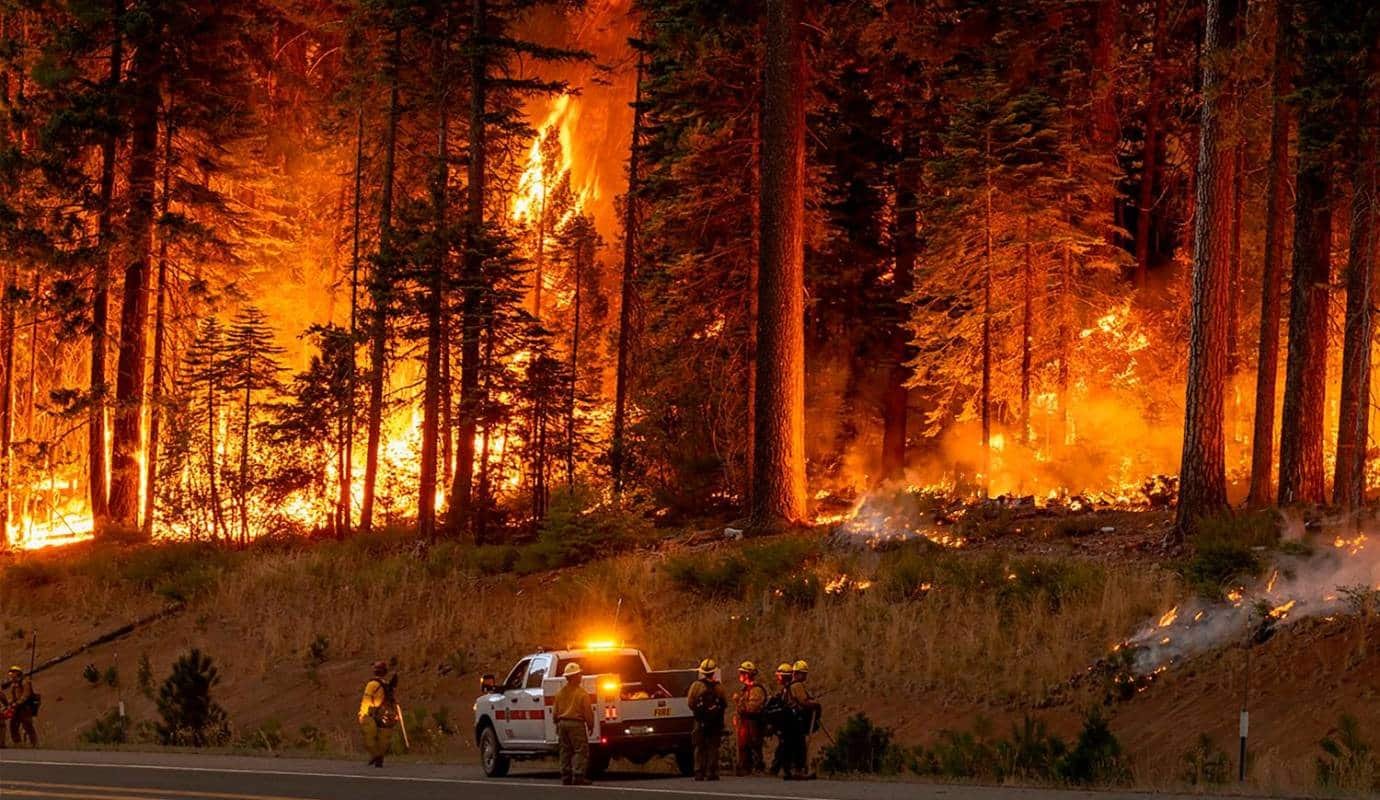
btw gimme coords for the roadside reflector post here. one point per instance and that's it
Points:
(1245, 734)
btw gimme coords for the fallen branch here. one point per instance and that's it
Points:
(106, 638)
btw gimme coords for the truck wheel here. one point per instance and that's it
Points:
(685, 762)
(598, 763)
(491, 755)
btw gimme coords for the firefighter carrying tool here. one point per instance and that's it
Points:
(378, 713)
(806, 711)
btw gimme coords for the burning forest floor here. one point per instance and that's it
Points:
(1003, 614)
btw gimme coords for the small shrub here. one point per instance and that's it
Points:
(801, 591)
(492, 559)
(579, 526)
(145, 675)
(112, 728)
(859, 747)
(441, 719)
(268, 736)
(111, 676)
(1347, 762)
(318, 651)
(1032, 753)
(1096, 758)
(190, 717)
(91, 674)
(1228, 548)
(1205, 764)
(965, 754)
(707, 575)
(178, 571)
(310, 737)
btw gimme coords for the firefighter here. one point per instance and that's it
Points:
(22, 707)
(748, 704)
(488, 684)
(806, 710)
(779, 719)
(708, 702)
(378, 713)
(574, 724)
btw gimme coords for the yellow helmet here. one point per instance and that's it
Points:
(801, 666)
(748, 667)
(571, 670)
(784, 669)
(708, 667)
(16, 669)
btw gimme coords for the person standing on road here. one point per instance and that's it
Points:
(778, 717)
(806, 711)
(708, 702)
(748, 705)
(23, 707)
(378, 713)
(574, 724)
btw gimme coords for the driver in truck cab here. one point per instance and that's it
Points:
(574, 723)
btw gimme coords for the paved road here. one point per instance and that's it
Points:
(55, 775)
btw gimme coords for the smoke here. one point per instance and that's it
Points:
(1315, 576)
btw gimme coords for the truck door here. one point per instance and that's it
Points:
(506, 713)
(531, 710)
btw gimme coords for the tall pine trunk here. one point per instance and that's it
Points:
(134, 309)
(778, 484)
(628, 295)
(1349, 482)
(381, 290)
(985, 392)
(100, 289)
(1301, 478)
(1150, 161)
(435, 290)
(1027, 330)
(473, 275)
(1272, 277)
(573, 398)
(345, 500)
(159, 339)
(1203, 480)
(896, 395)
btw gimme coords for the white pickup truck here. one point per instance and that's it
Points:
(639, 713)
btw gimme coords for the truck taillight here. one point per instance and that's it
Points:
(610, 713)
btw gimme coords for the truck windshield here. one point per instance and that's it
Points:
(627, 666)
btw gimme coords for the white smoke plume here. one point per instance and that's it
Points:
(1332, 574)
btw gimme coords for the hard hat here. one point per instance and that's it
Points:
(708, 667)
(784, 669)
(800, 666)
(748, 667)
(571, 669)
(17, 669)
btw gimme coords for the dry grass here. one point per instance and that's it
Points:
(989, 629)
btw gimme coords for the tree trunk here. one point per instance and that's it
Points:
(1027, 331)
(1150, 161)
(100, 290)
(345, 501)
(134, 310)
(212, 462)
(431, 393)
(7, 325)
(985, 397)
(573, 398)
(896, 395)
(473, 268)
(381, 290)
(159, 340)
(778, 485)
(1203, 480)
(1349, 482)
(628, 295)
(1272, 277)
(1301, 477)
(1106, 129)
(242, 489)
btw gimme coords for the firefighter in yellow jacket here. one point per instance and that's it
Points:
(806, 710)
(708, 702)
(748, 705)
(574, 723)
(377, 715)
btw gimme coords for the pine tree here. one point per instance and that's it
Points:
(252, 366)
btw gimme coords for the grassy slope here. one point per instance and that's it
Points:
(993, 635)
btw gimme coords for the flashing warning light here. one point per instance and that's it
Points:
(610, 686)
(601, 644)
